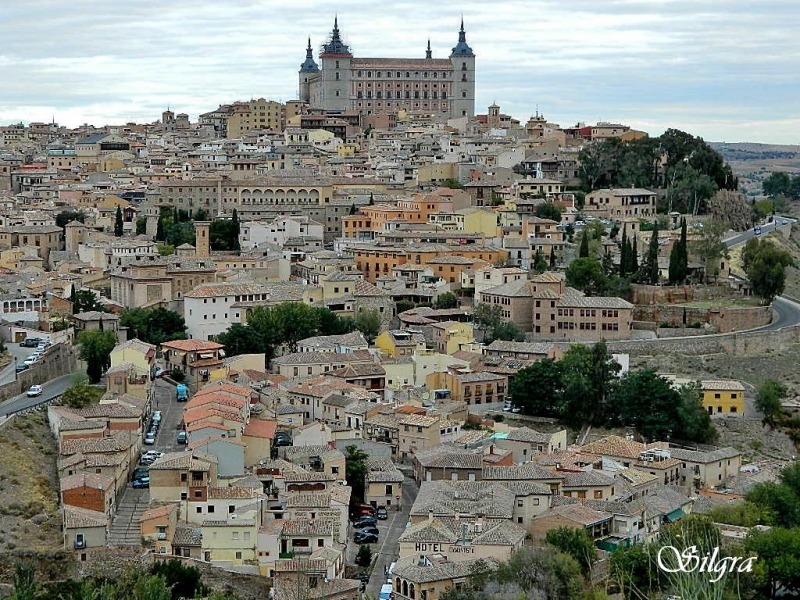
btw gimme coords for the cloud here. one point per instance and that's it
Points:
(720, 69)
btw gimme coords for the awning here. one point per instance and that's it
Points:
(675, 515)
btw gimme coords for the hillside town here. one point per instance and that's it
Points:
(378, 341)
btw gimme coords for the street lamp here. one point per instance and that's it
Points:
(16, 373)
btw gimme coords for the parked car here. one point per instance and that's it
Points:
(153, 429)
(140, 472)
(364, 520)
(30, 360)
(30, 342)
(142, 482)
(150, 438)
(21, 368)
(365, 538)
(281, 442)
(182, 438)
(150, 456)
(382, 514)
(157, 416)
(35, 390)
(182, 392)
(368, 529)
(358, 508)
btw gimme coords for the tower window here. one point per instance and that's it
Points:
(435, 74)
(408, 74)
(369, 73)
(398, 73)
(337, 93)
(464, 93)
(464, 77)
(359, 73)
(337, 64)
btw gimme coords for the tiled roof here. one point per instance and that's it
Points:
(192, 345)
(721, 385)
(187, 536)
(261, 428)
(300, 476)
(321, 527)
(157, 513)
(233, 493)
(308, 500)
(521, 347)
(91, 480)
(410, 569)
(445, 498)
(449, 457)
(614, 445)
(519, 472)
(180, 460)
(578, 513)
(700, 456)
(76, 517)
(479, 376)
(429, 531)
(525, 434)
(585, 479)
(505, 533)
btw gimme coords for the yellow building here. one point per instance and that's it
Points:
(230, 542)
(400, 343)
(346, 150)
(255, 115)
(136, 352)
(9, 259)
(448, 336)
(723, 396)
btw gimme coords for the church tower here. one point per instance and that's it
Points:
(336, 61)
(463, 59)
(307, 69)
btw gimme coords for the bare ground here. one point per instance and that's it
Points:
(29, 516)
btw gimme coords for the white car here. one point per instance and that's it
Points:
(30, 360)
(35, 390)
(150, 439)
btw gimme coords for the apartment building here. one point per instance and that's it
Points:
(620, 203)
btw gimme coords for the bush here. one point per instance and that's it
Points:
(364, 556)
(177, 375)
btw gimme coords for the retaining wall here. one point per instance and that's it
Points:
(724, 319)
(57, 361)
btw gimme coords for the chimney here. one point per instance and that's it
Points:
(430, 515)
(491, 448)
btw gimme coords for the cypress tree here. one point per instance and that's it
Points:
(235, 231)
(634, 258)
(684, 272)
(160, 229)
(584, 249)
(352, 209)
(650, 266)
(552, 257)
(118, 227)
(624, 254)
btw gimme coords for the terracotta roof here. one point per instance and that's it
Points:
(157, 513)
(192, 345)
(261, 428)
(76, 517)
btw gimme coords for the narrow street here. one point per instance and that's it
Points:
(386, 550)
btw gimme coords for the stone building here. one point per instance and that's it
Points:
(444, 86)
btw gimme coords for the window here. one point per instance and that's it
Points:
(388, 490)
(239, 556)
(211, 509)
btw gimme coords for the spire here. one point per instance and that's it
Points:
(309, 66)
(462, 48)
(428, 52)
(335, 45)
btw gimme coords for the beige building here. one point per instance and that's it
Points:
(45, 238)
(473, 387)
(707, 469)
(420, 578)
(255, 115)
(525, 443)
(620, 203)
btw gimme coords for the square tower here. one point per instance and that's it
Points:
(463, 59)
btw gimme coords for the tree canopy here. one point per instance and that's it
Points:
(765, 264)
(153, 326)
(548, 210)
(95, 349)
(66, 216)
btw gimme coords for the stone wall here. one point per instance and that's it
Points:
(59, 360)
(676, 294)
(723, 319)
(742, 344)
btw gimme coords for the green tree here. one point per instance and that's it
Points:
(583, 251)
(539, 262)
(537, 390)
(118, 224)
(355, 462)
(649, 270)
(586, 274)
(165, 250)
(364, 556)
(81, 395)
(160, 233)
(740, 514)
(352, 209)
(26, 585)
(709, 248)
(778, 552)
(507, 331)
(552, 257)
(589, 376)
(765, 265)
(329, 323)
(446, 300)
(241, 339)
(236, 231)
(777, 184)
(184, 581)
(679, 258)
(542, 573)
(67, 216)
(548, 210)
(153, 326)
(141, 225)
(368, 322)
(85, 301)
(574, 542)
(769, 400)
(95, 349)
(633, 257)
(635, 571)
(648, 402)
(693, 421)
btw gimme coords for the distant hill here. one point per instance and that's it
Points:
(752, 163)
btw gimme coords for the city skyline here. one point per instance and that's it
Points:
(725, 76)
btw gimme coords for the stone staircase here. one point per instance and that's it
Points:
(124, 531)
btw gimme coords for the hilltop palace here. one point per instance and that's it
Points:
(374, 85)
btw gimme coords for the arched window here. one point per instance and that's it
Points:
(412, 592)
(405, 588)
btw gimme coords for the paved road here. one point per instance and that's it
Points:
(20, 353)
(387, 549)
(171, 418)
(787, 313)
(53, 388)
(742, 238)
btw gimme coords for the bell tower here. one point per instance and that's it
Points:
(463, 59)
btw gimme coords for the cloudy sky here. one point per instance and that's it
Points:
(722, 69)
